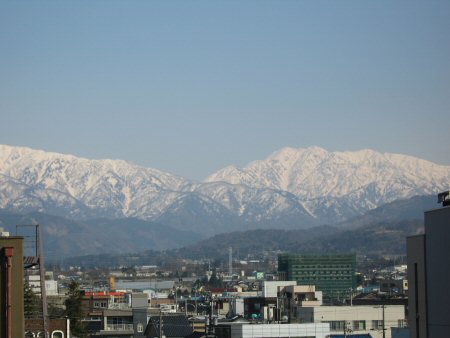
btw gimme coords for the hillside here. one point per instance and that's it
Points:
(64, 238)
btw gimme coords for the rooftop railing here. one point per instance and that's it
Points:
(119, 327)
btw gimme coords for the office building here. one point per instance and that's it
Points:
(334, 275)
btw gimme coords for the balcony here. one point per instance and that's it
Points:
(118, 306)
(119, 327)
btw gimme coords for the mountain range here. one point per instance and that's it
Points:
(290, 189)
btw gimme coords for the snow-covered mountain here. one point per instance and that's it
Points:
(292, 188)
(78, 188)
(338, 185)
(33, 179)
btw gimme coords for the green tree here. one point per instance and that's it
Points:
(74, 311)
(214, 281)
(31, 302)
(55, 312)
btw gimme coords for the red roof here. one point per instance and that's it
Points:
(103, 293)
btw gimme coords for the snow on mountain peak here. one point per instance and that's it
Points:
(365, 178)
(291, 183)
(102, 184)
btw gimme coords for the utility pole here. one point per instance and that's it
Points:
(278, 309)
(176, 301)
(211, 309)
(383, 326)
(230, 261)
(160, 324)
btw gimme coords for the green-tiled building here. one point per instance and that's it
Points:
(334, 275)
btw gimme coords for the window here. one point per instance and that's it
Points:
(377, 324)
(57, 334)
(337, 325)
(359, 325)
(402, 323)
(140, 327)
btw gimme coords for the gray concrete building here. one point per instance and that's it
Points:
(429, 274)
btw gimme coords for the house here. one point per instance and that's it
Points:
(111, 323)
(114, 320)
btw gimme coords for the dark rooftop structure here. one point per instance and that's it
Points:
(173, 326)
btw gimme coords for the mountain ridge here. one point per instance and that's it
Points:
(294, 188)
(341, 181)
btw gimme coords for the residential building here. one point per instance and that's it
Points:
(126, 285)
(294, 296)
(355, 319)
(92, 302)
(376, 298)
(394, 286)
(334, 275)
(107, 318)
(429, 273)
(272, 288)
(34, 282)
(243, 330)
(111, 323)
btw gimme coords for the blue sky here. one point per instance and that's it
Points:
(189, 87)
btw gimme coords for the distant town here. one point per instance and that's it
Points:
(279, 294)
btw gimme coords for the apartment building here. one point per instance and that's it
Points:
(355, 319)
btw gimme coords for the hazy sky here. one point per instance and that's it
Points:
(189, 87)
